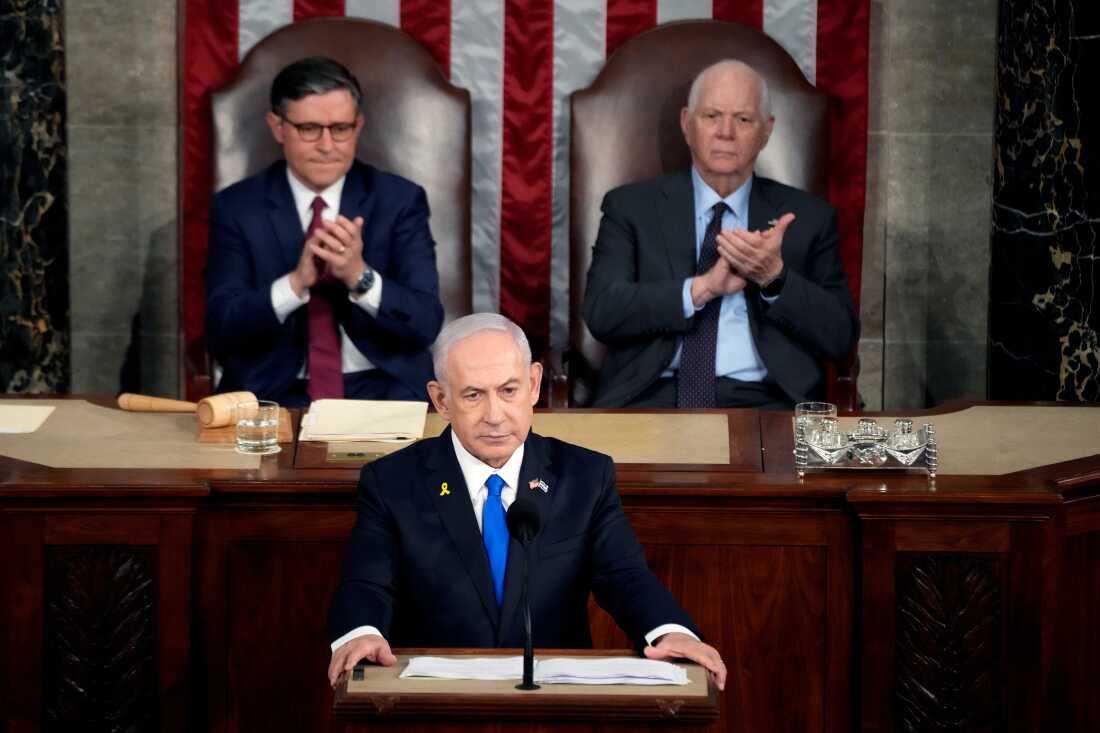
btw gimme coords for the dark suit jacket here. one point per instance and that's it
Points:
(256, 237)
(646, 248)
(417, 570)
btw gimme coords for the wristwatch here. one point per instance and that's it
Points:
(365, 281)
(775, 287)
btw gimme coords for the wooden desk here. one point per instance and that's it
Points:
(842, 600)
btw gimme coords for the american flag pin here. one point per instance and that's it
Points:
(537, 483)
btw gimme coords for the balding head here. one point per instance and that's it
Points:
(726, 123)
(732, 70)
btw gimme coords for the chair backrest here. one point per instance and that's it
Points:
(626, 127)
(417, 125)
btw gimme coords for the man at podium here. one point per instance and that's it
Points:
(429, 562)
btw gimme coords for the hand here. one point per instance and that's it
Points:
(339, 246)
(756, 256)
(714, 283)
(676, 645)
(305, 273)
(371, 647)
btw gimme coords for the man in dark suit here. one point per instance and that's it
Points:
(429, 562)
(321, 279)
(712, 286)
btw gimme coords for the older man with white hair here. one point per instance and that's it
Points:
(430, 563)
(714, 287)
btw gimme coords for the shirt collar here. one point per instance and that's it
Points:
(475, 472)
(303, 197)
(706, 197)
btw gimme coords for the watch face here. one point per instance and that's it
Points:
(365, 281)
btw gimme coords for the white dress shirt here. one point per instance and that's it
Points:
(476, 473)
(285, 301)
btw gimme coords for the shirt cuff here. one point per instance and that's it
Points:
(685, 299)
(769, 299)
(361, 631)
(283, 298)
(371, 300)
(663, 629)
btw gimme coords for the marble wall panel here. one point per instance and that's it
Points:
(34, 294)
(122, 128)
(1043, 313)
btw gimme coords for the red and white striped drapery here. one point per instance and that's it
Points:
(520, 59)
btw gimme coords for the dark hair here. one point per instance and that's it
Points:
(313, 75)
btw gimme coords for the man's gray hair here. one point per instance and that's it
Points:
(467, 326)
(764, 99)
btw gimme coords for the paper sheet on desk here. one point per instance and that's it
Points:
(555, 670)
(23, 418)
(345, 420)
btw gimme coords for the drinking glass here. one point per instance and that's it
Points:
(810, 416)
(258, 427)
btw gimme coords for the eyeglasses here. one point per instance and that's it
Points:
(310, 132)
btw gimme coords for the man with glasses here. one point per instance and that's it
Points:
(321, 280)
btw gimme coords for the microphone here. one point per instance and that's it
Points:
(524, 522)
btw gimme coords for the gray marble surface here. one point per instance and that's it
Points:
(123, 180)
(924, 294)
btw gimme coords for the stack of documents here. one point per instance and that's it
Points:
(557, 670)
(379, 420)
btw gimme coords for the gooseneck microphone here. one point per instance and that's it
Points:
(524, 523)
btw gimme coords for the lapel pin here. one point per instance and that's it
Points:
(443, 490)
(537, 483)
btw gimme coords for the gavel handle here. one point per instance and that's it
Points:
(145, 403)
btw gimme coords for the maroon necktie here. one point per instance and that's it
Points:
(696, 382)
(326, 380)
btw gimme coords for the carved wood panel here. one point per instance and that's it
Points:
(100, 638)
(949, 653)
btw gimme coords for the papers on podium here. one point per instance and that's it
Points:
(356, 420)
(555, 670)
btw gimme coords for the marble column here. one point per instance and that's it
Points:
(1046, 203)
(34, 247)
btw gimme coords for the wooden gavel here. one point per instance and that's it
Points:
(211, 412)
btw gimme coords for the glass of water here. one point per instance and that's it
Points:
(811, 416)
(258, 427)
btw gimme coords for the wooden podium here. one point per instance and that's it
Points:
(377, 697)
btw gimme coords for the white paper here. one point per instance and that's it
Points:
(608, 671)
(23, 418)
(556, 670)
(357, 420)
(465, 668)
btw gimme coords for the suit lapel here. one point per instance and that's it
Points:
(356, 199)
(536, 468)
(457, 514)
(677, 215)
(284, 218)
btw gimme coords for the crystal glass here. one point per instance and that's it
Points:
(257, 427)
(810, 416)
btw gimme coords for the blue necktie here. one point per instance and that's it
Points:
(494, 532)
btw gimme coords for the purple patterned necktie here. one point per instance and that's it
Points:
(697, 383)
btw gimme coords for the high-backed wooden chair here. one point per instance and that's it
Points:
(417, 125)
(626, 127)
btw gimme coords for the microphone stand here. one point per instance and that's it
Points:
(528, 682)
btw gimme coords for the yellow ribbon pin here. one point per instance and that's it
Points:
(443, 490)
